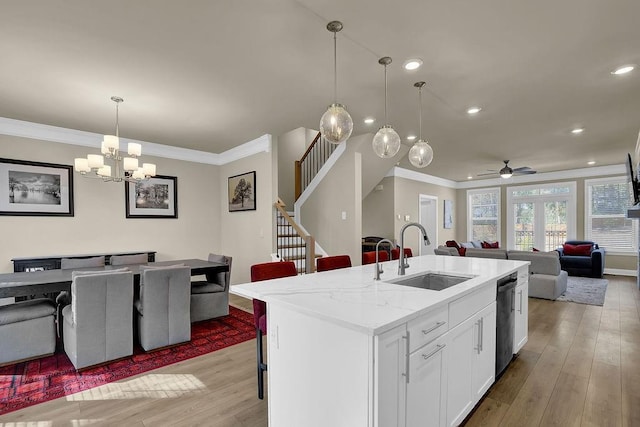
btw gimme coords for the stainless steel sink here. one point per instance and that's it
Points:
(433, 281)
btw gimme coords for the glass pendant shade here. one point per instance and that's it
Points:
(336, 124)
(421, 154)
(386, 143)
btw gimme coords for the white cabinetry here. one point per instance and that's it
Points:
(521, 324)
(391, 376)
(471, 360)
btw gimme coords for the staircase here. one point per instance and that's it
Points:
(293, 244)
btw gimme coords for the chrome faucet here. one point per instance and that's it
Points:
(402, 264)
(378, 267)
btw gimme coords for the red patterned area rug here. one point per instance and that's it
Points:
(29, 383)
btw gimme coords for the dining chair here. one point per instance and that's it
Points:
(63, 298)
(370, 257)
(210, 298)
(259, 272)
(129, 259)
(395, 253)
(163, 311)
(27, 330)
(333, 262)
(98, 324)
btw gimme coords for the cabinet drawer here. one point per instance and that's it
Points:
(462, 308)
(426, 328)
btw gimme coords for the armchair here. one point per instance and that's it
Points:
(210, 298)
(582, 258)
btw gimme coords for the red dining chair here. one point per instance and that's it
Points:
(370, 257)
(259, 272)
(333, 262)
(395, 253)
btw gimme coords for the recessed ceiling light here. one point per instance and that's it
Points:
(412, 64)
(474, 110)
(577, 131)
(469, 177)
(369, 120)
(623, 70)
(411, 137)
(591, 163)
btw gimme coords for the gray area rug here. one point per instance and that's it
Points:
(585, 290)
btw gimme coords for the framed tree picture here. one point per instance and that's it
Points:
(35, 189)
(448, 213)
(155, 197)
(242, 192)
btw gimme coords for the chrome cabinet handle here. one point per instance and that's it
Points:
(477, 348)
(520, 301)
(481, 334)
(433, 328)
(406, 356)
(437, 349)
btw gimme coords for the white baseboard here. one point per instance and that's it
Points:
(620, 272)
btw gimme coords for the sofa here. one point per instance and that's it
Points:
(547, 279)
(582, 258)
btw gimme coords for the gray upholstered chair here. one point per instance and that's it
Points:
(210, 298)
(71, 263)
(98, 324)
(27, 330)
(445, 250)
(63, 298)
(163, 307)
(129, 259)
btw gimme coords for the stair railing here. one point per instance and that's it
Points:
(312, 160)
(291, 230)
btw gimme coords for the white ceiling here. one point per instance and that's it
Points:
(211, 75)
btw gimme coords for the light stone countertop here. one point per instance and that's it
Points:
(351, 298)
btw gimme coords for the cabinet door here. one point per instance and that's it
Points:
(460, 397)
(391, 368)
(484, 363)
(426, 389)
(521, 324)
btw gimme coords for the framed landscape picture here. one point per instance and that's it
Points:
(35, 189)
(155, 197)
(242, 192)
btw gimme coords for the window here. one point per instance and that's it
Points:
(483, 219)
(606, 222)
(541, 216)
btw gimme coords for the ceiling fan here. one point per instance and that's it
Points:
(507, 172)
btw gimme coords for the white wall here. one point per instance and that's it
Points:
(247, 236)
(290, 147)
(99, 224)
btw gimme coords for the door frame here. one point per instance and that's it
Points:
(434, 237)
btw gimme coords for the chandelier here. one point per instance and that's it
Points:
(121, 168)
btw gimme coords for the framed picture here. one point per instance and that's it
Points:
(155, 197)
(448, 213)
(242, 192)
(36, 189)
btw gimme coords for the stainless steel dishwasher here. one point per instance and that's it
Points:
(505, 318)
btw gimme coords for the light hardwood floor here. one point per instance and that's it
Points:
(581, 366)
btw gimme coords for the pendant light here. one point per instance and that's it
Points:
(421, 154)
(386, 142)
(336, 124)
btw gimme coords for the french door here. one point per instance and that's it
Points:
(541, 217)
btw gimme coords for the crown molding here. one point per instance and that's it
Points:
(62, 135)
(539, 177)
(421, 177)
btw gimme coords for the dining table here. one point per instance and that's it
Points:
(51, 281)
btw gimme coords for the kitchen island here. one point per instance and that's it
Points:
(346, 350)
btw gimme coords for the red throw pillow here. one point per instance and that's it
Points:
(462, 251)
(490, 245)
(577, 250)
(452, 244)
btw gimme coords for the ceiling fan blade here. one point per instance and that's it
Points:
(524, 168)
(488, 173)
(524, 172)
